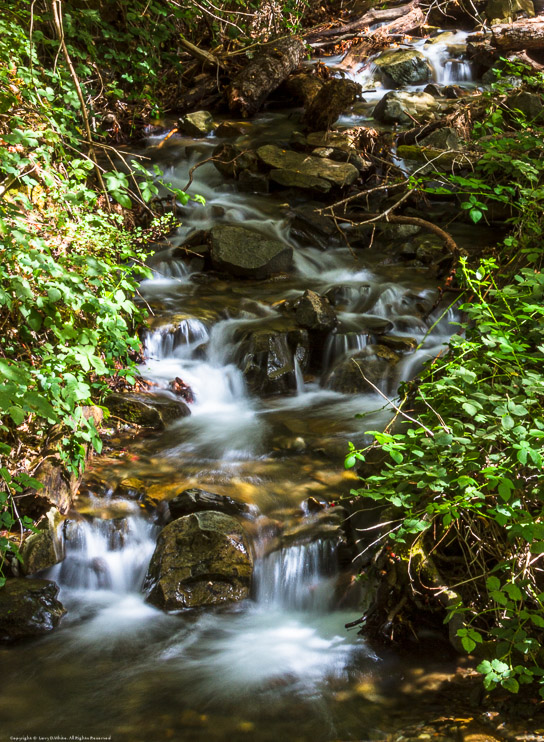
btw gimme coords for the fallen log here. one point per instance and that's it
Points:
(368, 19)
(527, 34)
(270, 67)
(200, 54)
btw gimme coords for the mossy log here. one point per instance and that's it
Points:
(441, 159)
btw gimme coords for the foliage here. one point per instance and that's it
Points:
(467, 479)
(70, 264)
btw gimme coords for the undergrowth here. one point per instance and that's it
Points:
(465, 480)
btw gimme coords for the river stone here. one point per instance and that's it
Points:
(232, 129)
(232, 160)
(247, 254)
(201, 559)
(446, 138)
(373, 362)
(340, 174)
(45, 548)
(334, 97)
(404, 66)
(147, 410)
(398, 108)
(314, 312)
(266, 357)
(28, 608)
(292, 179)
(197, 124)
(506, 11)
(195, 500)
(398, 343)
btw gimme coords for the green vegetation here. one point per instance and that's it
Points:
(465, 481)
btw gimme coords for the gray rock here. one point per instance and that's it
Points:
(197, 124)
(530, 104)
(314, 312)
(293, 179)
(147, 410)
(446, 138)
(247, 254)
(404, 66)
(195, 500)
(398, 231)
(28, 608)
(402, 108)
(356, 374)
(201, 559)
(339, 174)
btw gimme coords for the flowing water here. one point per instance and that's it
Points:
(282, 665)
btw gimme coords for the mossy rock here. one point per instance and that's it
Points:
(147, 410)
(201, 559)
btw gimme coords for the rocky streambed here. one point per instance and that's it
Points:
(206, 571)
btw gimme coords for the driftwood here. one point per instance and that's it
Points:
(526, 34)
(263, 74)
(368, 19)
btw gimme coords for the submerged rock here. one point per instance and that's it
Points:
(200, 559)
(28, 608)
(247, 254)
(195, 500)
(402, 108)
(147, 410)
(404, 66)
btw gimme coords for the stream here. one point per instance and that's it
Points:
(281, 665)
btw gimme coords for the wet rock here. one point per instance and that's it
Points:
(266, 357)
(335, 97)
(197, 124)
(320, 524)
(310, 228)
(28, 608)
(147, 410)
(45, 548)
(398, 231)
(201, 559)
(359, 372)
(399, 344)
(195, 500)
(404, 66)
(247, 254)
(249, 182)
(506, 11)
(232, 160)
(437, 91)
(438, 159)
(314, 312)
(131, 487)
(531, 105)
(292, 179)
(293, 164)
(336, 139)
(446, 138)
(402, 108)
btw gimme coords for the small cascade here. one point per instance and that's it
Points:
(301, 387)
(180, 339)
(106, 554)
(456, 70)
(340, 344)
(170, 269)
(297, 577)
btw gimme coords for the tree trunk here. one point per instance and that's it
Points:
(368, 19)
(264, 74)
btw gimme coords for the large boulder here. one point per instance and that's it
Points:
(201, 559)
(530, 105)
(195, 500)
(402, 108)
(147, 410)
(404, 67)
(305, 168)
(28, 608)
(247, 254)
